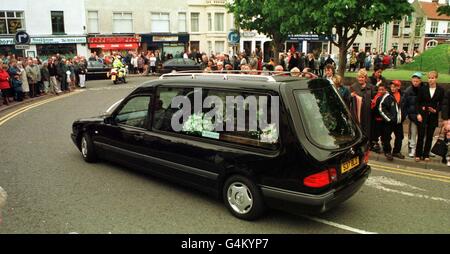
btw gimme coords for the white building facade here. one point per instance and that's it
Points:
(209, 26)
(55, 26)
(137, 25)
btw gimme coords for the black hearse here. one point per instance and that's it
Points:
(315, 157)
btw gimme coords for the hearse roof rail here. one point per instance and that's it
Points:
(219, 76)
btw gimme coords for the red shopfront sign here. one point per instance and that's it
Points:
(118, 46)
(114, 43)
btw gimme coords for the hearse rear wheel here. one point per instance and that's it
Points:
(87, 149)
(243, 198)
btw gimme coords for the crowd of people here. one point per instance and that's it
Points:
(381, 108)
(23, 78)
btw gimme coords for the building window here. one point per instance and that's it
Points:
(209, 22)
(368, 47)
(57, 22)
(434, 27)
(396, 28)
(160, 23)
(11, 21)
(122, 22)
(209, 47)
(406, 47)
(416, 46)
(195, 27)
(182, 22)
(408, 21)
(431, 44)
(219, 22)
(356, 47)
(92, 22)
(220, 47)
(418, 31)
(395, 45)
(448, 27)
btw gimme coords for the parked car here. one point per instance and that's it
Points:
(179, 64)
(314, 158)
(97, 69)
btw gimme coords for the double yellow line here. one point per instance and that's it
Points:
(15, 113)
(429, 176)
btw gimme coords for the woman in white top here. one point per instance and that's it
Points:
(153, 63)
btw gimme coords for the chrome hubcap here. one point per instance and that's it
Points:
(84, 149)
(240, 198)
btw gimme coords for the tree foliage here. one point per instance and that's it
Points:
(444, 10)
(345, 18)
(265, 16)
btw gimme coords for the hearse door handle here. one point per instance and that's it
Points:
(138, 137)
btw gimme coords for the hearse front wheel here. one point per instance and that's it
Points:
(243, 198)
(87, 149)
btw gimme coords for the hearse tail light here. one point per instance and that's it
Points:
(366, 157)
(321, 179)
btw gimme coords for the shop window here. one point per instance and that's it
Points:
(219, 22)
(122, 22)
(195, 46)
(11, 21)
(448, 27)
(182, 22)
(195, 25)
(93, 22)
(57, 22)
(160, 23)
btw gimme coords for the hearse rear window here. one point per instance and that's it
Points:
(229, 116)
(325, 118)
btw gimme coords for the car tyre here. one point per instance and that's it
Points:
(87, 149)
(243, 198)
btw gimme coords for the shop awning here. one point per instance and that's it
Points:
(118, 46)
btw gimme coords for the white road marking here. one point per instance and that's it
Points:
(340, 226)
(3, 197)
(378, 182)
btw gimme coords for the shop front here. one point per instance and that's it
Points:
(7, 47)
(309, 43)
(109, 45)
(169, 45)
(68, 47)
(252, 42)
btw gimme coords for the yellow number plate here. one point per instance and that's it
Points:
(348, 165)
(113, 77)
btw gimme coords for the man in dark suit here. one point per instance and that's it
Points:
(429, 103)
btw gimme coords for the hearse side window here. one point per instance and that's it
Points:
(325, 117)
(198, 124)
(135, 112)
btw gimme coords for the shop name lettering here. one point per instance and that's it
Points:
(57, 40)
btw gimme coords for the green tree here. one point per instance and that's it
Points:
(344, 18)
(444, 10)
(265, 16)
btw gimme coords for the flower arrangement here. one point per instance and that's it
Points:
(269, 134)
(197, 123)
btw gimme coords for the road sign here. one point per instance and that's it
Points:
(22, 38)
(233, 37)
(22, 46)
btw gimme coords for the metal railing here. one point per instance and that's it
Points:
(218, 76)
